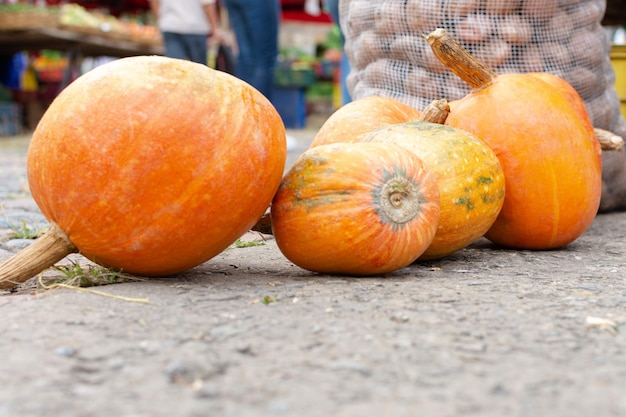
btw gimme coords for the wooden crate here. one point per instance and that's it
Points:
(28, 19)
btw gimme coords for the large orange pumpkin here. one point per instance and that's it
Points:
(549, 157)
(154, 165)
(356, 119)
(355, 209)
(469, 176)
(575, 100)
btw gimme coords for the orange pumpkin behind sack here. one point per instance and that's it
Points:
(548, 152)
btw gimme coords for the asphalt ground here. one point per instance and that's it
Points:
(484, 332)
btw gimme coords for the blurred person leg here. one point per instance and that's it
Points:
(197, 48)
(186, 46)
(256, 24)
(332, 7)
(174, 47)
(344, 70)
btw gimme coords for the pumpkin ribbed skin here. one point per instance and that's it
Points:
(155, 165)
(549, 158)
(356, 119)
(355, 209)
(469, 176)
(575, 100)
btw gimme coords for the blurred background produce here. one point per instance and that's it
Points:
(44, 45)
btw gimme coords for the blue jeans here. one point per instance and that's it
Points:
(256, 24)
(186, 46)
(332, 7)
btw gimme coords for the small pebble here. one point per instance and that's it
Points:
(65, 351)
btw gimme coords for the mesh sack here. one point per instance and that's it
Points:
(389, 56)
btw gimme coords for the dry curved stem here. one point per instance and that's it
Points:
(609, 141)
(44, 252)
(436, 112)
(467, 67)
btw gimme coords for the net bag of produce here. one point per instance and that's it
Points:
(389, 56)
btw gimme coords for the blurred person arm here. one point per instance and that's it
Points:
(154, 8)
(210, 10)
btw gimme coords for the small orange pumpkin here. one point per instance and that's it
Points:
(469, 176)
(354, 120)
(154, 165)
(355, 209)
(549, 158)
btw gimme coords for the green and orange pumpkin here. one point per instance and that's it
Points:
(355, 209)
(469, 176)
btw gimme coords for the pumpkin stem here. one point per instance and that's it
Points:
(44, 252)
(471, 70)
(609, 141)
(436, 112)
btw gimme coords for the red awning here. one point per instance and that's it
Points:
(294, 10)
